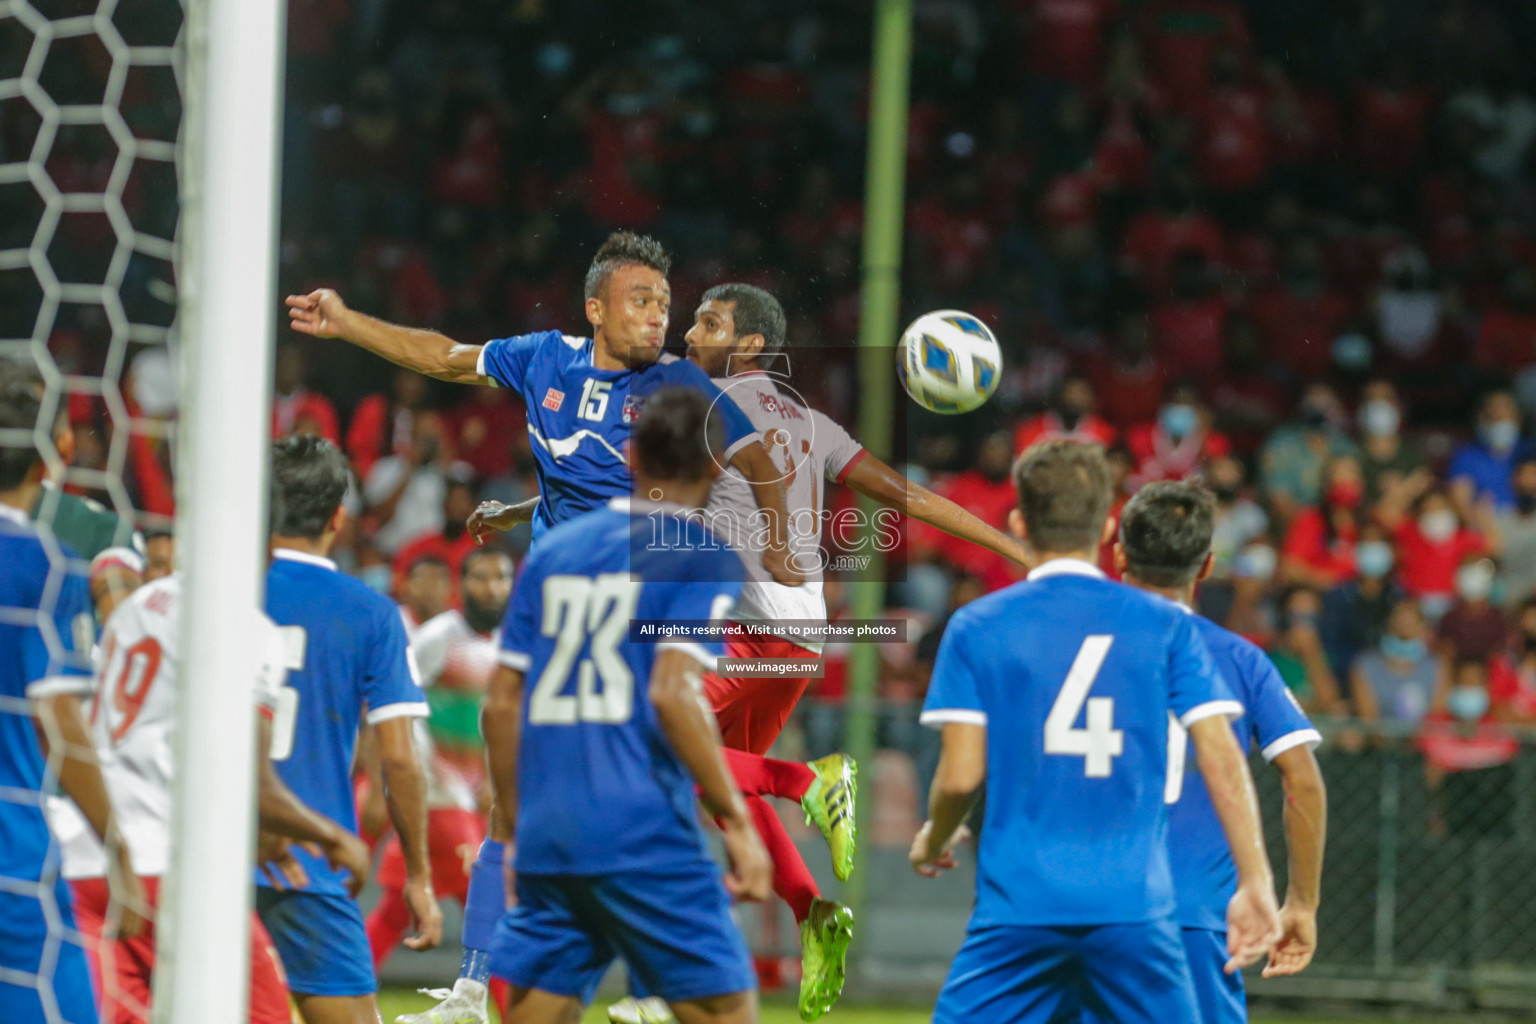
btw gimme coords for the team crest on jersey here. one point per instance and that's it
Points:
(632, 406)
(552, 399)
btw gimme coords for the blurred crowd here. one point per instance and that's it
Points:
(1288, 247)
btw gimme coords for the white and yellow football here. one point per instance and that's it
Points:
(949, 361)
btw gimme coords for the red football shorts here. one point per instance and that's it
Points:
(453, 841)
(123, 969)
(752, 711)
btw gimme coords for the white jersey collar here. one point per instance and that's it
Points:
(629, 504)
(292, 555)
(1066, 567)
(15, 515)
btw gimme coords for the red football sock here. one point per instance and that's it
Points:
(387, 925)
(792, 880)
(763, 776)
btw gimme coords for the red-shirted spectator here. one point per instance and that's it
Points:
(1432, 540)
(470, 173)
(987, 492)
(1180, 38)
(1390, 120)
(1506, 338)
(1072, 416)
(1232, 135)
(1319, 546)
(1154, 237)
(450, 545)
(295, 408)
(1512, 676)
(1299, 318)
(382, 424)
(1462, 733)
(1179, 442)
(1065, 38)
(485, 429)
(1129, 381)
(1188, 328)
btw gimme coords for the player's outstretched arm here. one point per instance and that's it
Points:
(322, 314)
(405, 789)
(281, 812)
(767, 481)
(690, 728)
(61, 730)
(501, 723)
(962, 769)
(1253, 920)
(876, 480)
(1306, 829)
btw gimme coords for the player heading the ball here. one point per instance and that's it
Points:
(595, 760)
(581, 394)
(1075, 901)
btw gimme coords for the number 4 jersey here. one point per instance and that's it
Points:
(1074, 677)
(600, 789)
(132, 719)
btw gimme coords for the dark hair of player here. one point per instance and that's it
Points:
(624, 248)
(20, 407)
(309, 479)
(677, 437)
(756, 312)
(1064, 493)
(475, 555)
(1165, 531)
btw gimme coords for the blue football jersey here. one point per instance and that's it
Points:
(579, 417)
(347, 655)
(1074, 677)
(599, 787)
(1204, 877)
(46, 630)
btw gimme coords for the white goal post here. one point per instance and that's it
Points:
(226, 275)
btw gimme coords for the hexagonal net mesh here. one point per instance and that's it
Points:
(90, 111)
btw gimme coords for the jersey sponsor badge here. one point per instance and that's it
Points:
(552, 399)
(632, 406)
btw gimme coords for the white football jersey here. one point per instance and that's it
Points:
(453, 657)
(131, 721)
(810, 449)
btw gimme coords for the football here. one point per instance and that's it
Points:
(949, 361)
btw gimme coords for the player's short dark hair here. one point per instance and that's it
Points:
(476, 554)
(756, 311)
(1165, 531)
(21, 405)
(1064, 493)
(678, 435)
(309, 479)
(622, 249)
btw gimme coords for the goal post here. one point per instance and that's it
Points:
(226, 317)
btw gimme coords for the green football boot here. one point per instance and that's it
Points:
(829, 805)
(824, 938)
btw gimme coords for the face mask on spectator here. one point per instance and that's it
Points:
(1394, 646)
(1178, 421)
(1438, 526)
(1500, 435)
(1344, 495)
(1474, 582)
(1374, 558)
(1468, 703)
(1256, 562)
(1379, 418)
(377, 577)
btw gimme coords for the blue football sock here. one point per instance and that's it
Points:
(483, 907)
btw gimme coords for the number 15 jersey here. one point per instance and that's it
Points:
(1074, 677)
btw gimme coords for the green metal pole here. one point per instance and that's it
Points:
(884, 214)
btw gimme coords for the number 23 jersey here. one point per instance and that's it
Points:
(1074, 678)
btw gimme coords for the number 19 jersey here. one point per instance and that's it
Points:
(600, 790)
(1074, 677)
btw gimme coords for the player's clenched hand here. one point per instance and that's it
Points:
(1298, 941)
(493, 515)
(1253, 925)
(751, 873)
(274, 854)
(928, 861)
(317, 314)
(426, 915)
